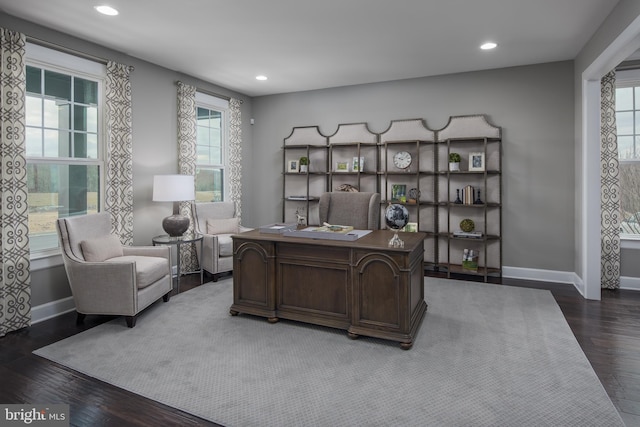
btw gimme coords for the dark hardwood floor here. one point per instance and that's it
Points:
(608, 332)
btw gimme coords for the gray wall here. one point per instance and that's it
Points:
(155, 147)
(533, 105)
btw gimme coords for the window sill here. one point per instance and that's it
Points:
(46, 259)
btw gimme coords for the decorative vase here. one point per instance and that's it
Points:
(454, 167)
(304, 168)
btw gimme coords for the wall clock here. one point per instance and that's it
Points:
(402, 159)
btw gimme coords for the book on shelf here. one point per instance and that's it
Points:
(468, 234)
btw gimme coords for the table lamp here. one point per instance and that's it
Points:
(176, 189)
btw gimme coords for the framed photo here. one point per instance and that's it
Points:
(476, 162)
(342, 166)
(292, 166)
(358, 164)
(399, 193)
(411, 227)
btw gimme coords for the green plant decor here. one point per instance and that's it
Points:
(454, 158)
(304, 161)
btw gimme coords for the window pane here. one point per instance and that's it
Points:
(85, 118)
(630, 197)
(33, 110)
(57, 85)
(85, 91)
(34, 142)
(624, 98)
(57, 191)
(57, 143)
(202, 153)
(624, 122)
(625, 147)
(208, 185)
(34, 83)
(57, 114)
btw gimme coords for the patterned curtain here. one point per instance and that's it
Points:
(187, 161)
(610, 185)
(235, 154)
(15, 276)
(119, 164)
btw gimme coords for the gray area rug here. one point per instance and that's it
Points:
(485, 355)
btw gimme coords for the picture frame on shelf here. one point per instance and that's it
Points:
(292, 166)
(358, 164)
(411, 227)
(399, 193)
(476, 162)
(342, 167)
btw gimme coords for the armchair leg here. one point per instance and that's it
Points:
(131, 321)
(80, 318)
(166, 297)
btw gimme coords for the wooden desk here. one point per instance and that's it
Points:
(363, 287)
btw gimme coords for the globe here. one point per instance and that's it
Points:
(396, 216)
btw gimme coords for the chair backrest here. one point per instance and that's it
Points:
(74, 229)
(211, 210)
(359, 210)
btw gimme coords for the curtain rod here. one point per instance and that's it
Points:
(208, 92)
(70, 51)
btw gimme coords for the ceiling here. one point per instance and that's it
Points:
(304, 45)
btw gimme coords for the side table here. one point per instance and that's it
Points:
(186, 238)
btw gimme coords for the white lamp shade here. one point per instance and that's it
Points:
(173, 188)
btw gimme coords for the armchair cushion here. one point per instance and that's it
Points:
(223, 226)
(148, 269)
(101, 248)
(225, 244)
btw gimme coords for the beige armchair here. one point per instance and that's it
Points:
(359, 210)
(106, 277)
(217, 222)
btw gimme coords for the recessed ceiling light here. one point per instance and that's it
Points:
(488, 46)
(261, 77)
(106, 10)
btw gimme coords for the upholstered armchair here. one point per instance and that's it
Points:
(106, 277)
(217, 222)
(359, 210)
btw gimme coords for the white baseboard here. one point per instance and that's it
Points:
(631, 283)
(568, 277)
(51, 309)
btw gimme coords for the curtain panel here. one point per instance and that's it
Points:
(119, 161)
(15, 277)
(610, 185)
(187, 126)
(235, 154)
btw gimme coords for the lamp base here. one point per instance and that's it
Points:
(175, 225)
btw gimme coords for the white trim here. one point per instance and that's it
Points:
(630, 283)
(626, 43)
(51, 309)
(42, 260)
(627, 242)
(212, 101)
(568, 277)
(70, 63)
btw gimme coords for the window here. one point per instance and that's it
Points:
(63, 141)
(211, 148)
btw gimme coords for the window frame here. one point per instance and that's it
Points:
(220, 105)
(60, 62)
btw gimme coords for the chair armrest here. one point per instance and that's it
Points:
(157, 251)
(104, 287)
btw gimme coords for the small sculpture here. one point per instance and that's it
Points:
(301, 219)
